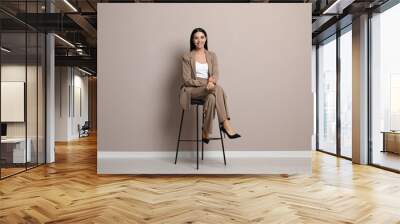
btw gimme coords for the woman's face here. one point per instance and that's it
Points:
(199, 39)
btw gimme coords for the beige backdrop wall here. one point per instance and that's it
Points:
(264, 53)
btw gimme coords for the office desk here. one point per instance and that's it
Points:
(13, 150)
(391, 141)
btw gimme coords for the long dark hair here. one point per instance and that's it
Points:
(192, 46)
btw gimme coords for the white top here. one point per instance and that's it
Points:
(201, 70)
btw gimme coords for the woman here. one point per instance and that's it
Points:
(200, 77)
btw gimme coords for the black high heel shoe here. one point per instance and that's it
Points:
(236, 135)
(205, 140)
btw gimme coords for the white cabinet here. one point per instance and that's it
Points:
(18, 149)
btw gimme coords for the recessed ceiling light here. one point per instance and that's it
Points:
(64, 40)
(338, 6)
(70, 5)
(5, 50)
(84, 71)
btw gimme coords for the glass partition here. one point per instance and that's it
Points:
(22, 78)
(32, 95)
(13, 94)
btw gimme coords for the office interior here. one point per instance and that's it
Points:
(49, 80)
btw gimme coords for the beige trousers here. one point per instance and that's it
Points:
(215, 101)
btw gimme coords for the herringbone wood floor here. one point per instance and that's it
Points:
(70, 191)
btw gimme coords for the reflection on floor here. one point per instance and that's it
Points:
(10, 169)
(347, 152)
(387, 159)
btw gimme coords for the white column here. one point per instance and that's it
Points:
(50, 92)
(50, 100)
(63, 102)
(360, 90)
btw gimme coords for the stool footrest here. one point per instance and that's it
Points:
(215, 138)
(194, 140)
(187, 140)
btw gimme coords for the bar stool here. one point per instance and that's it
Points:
(198, 102)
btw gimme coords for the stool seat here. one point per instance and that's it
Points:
(197, 102)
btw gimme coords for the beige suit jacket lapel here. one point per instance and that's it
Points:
(193, 63)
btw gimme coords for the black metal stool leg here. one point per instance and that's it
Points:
(179, 136)
(202, 143)
(222, 143)
(197, 134)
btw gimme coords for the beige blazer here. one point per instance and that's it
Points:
(189, 74)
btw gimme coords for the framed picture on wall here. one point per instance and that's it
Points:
(12, 101)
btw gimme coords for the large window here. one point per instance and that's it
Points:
(327, 95)
(385, 88)
(346, 92)
(335, 74)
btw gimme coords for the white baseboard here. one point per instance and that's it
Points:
(212, 154)
(238, 162)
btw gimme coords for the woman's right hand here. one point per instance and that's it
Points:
(210, 86)
(212, 79)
